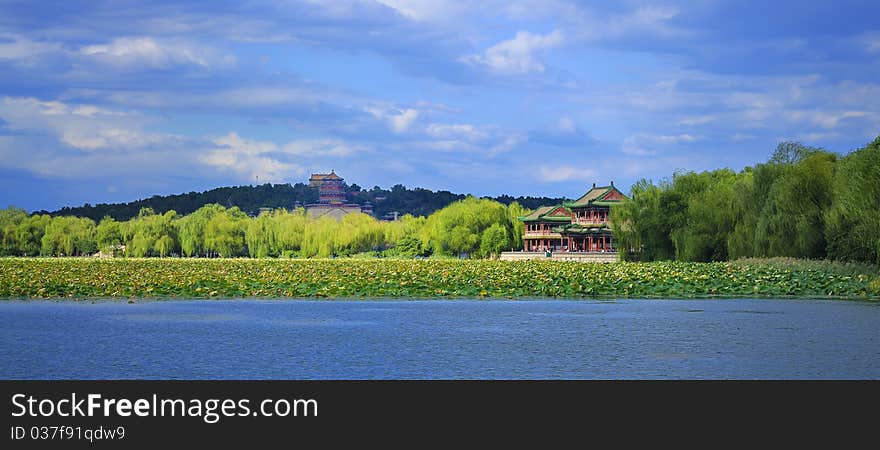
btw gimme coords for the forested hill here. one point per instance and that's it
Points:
(416, 201)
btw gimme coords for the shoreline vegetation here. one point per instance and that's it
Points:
(199, 278)
(804, 202)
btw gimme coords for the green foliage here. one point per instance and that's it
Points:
(792, 220)
(494, 240)
(10, 219)
(458, 228)
(261, 236)
(403, 237)
(804, 203)
(225, 233)
(514, 211)
(191, 229)
(109, 234)
(853, 221)
(69, 236)
(642, 226)
(381, 278)
(708, 220)
(149, 234)
(414, 201)
(29, 234)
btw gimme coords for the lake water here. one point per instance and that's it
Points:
(534, 339)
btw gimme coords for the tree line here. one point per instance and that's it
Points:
(471, 226)
(250, 199)
(804, 202)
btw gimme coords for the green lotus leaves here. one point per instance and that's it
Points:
(448, 278)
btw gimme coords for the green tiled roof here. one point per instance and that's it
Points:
(541, 215)
(594, 197)
(536, 214)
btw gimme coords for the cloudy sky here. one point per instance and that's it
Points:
(119, 100)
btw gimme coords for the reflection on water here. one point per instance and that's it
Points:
(269, 339)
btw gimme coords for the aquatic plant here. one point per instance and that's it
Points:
(429, 278)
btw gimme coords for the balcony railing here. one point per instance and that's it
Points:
(588, 222)
(542, 233)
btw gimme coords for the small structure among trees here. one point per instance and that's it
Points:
(579, 226)
(331, 198)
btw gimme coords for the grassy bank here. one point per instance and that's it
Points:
(201, 278)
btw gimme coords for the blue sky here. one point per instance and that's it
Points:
(120, 100)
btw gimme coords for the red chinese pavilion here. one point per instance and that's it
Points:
(578, 226)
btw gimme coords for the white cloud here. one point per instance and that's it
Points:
(739, 137)
(43, 157)
(481, 143)
(449, 145)
(697, 120)
(590, 25)
(399, 120)
(648, 144)
(321, 147)
(247, 159)
(149, 52)
(465, 131)
(556, 174)
(517, 55)
(815, 137)
(424, 9)
(567, 125)
(85, 127)
(874, 44)
(824, 119)
(246, 97)
(22, 49)
(506, 145)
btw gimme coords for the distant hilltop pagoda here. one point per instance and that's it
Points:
(331, 198)
(331, 187)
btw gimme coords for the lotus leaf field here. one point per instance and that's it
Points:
(356, 278)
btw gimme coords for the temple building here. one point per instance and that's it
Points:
(331, 198)
(331, 187)
(578, 226)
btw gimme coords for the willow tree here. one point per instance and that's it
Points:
(792, 220)
(10, 219)
(150, 234)
(30, 232)
(69, 236)
(225, 233)
(514, 212)
(642, 226)
(494, 240)
(458, 228)
(261, 236)
(853, 220)
(109, 234)
(402, 236)
(191, 229)
(709, 218)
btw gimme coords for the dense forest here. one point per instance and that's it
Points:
(804, 202)
(471, 226)
(249, 199)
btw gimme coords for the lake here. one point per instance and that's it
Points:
(442, 339)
